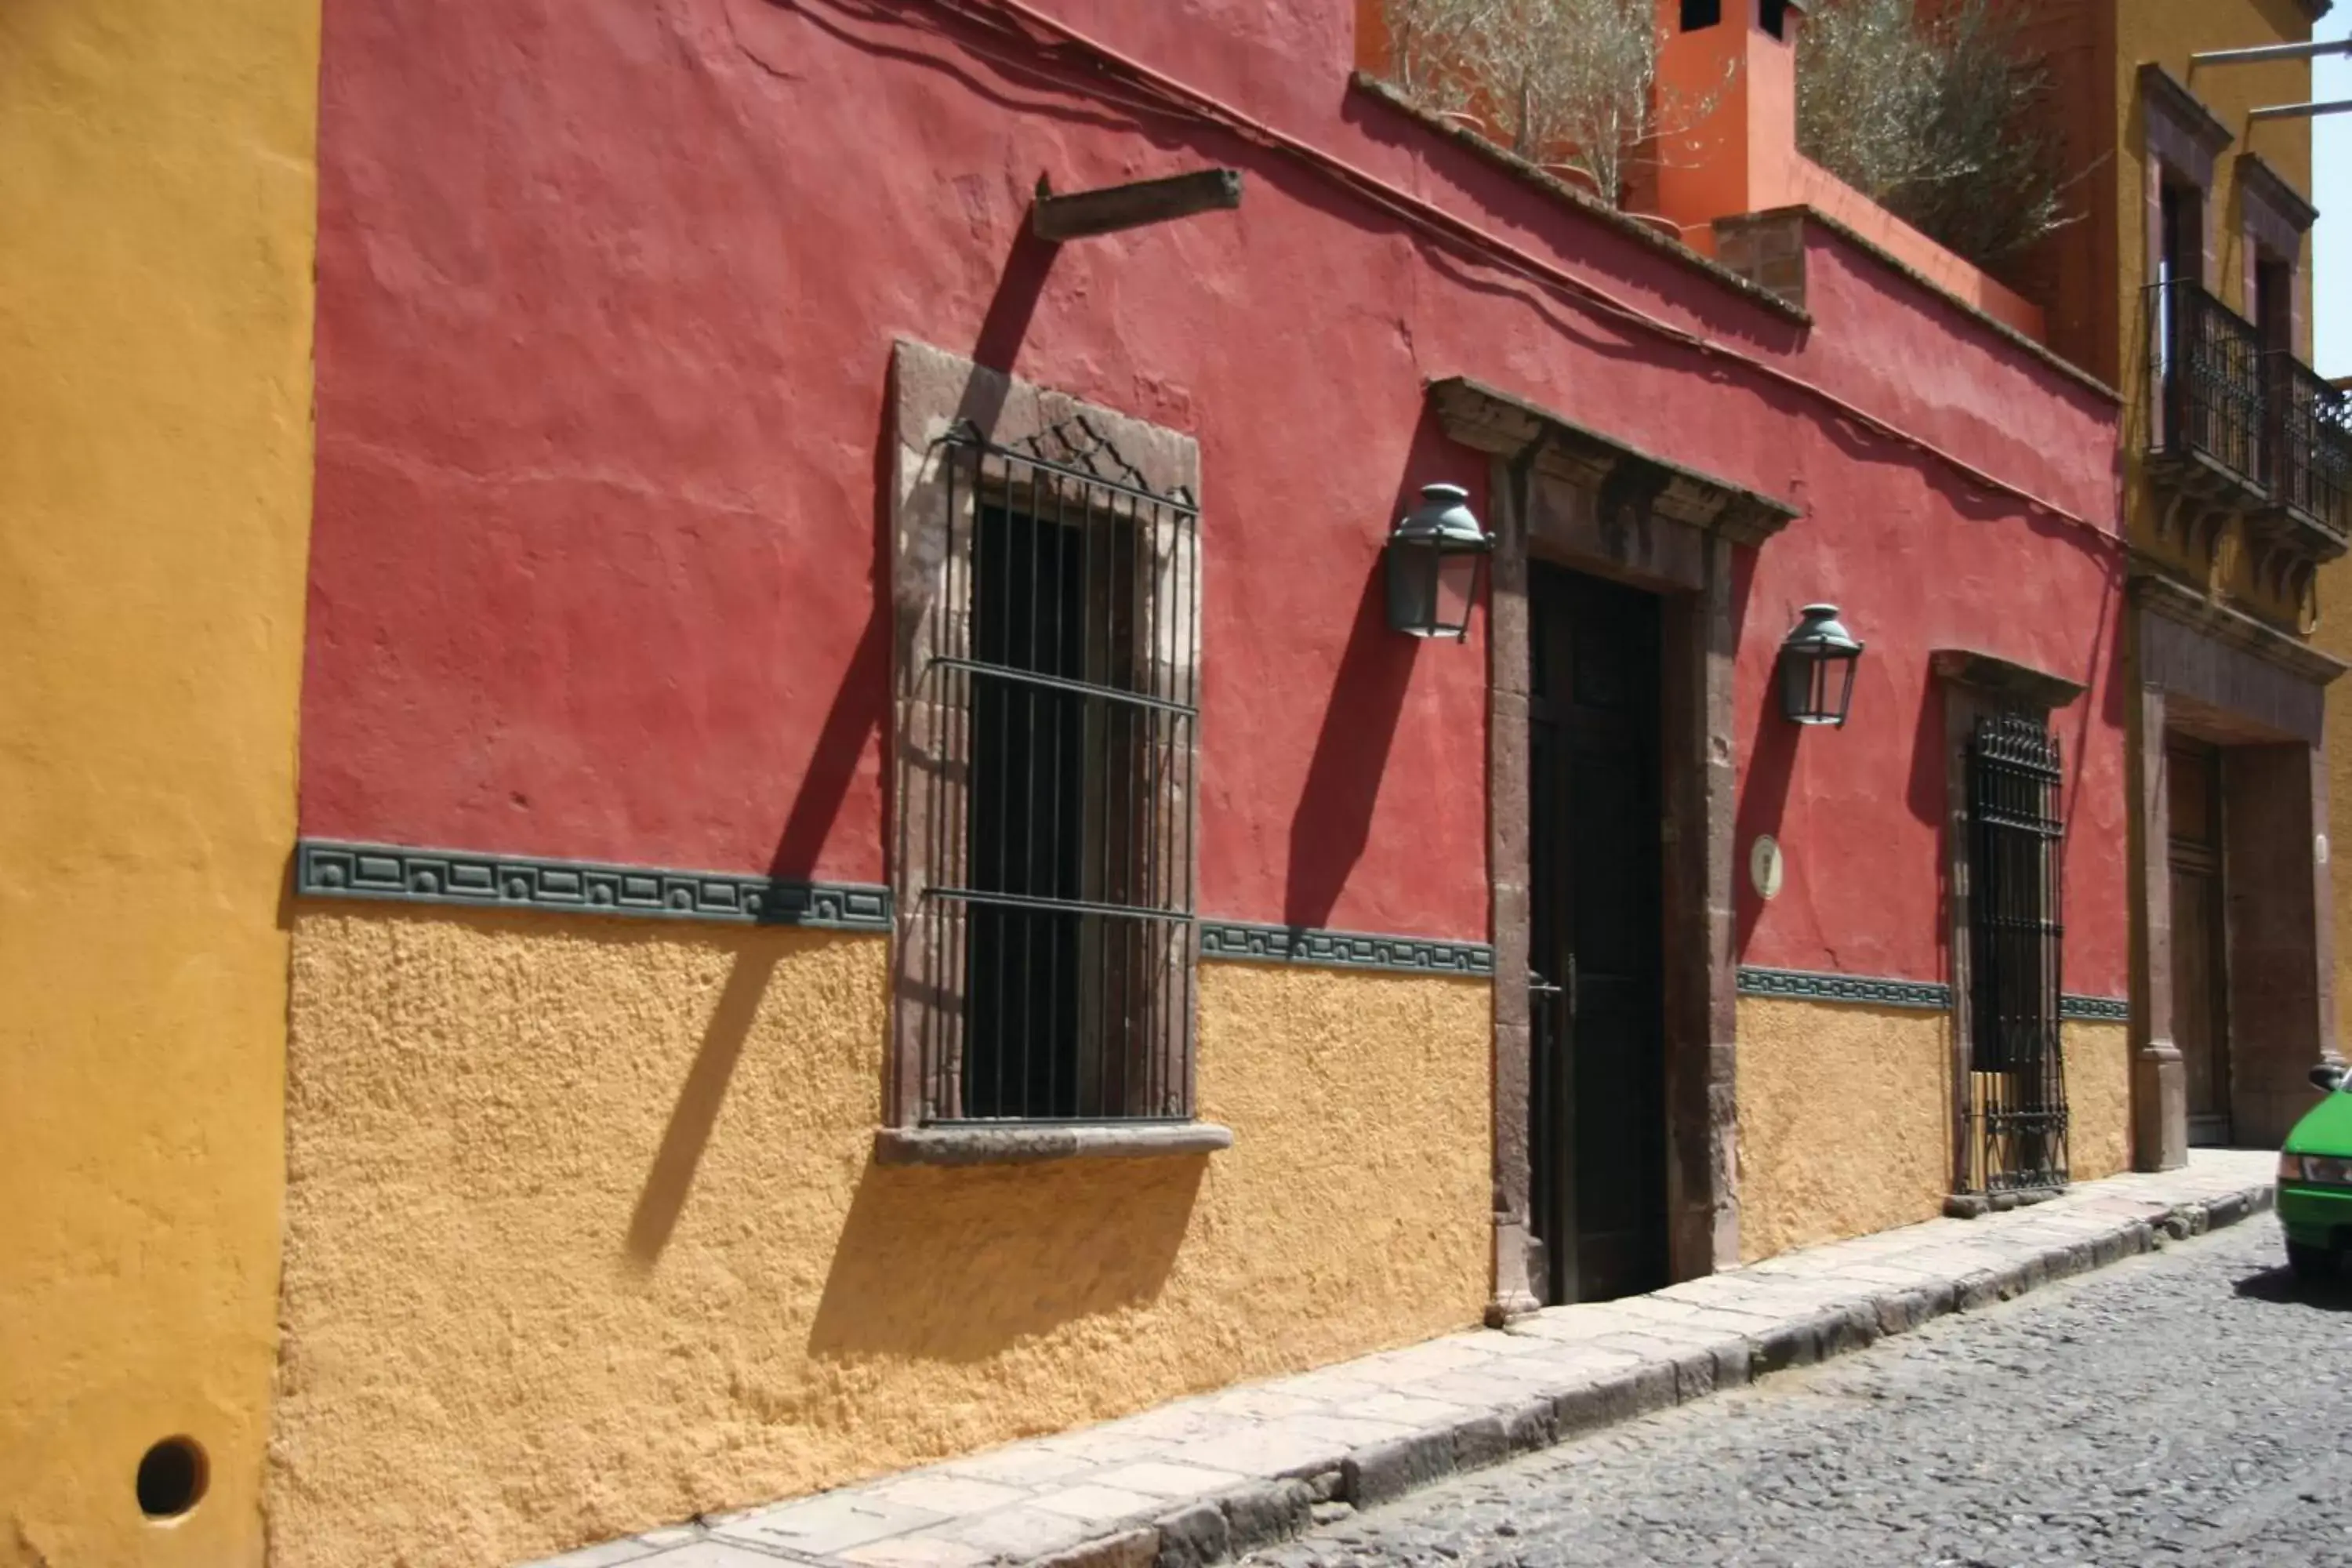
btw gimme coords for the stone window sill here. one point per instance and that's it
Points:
(1031, 1142)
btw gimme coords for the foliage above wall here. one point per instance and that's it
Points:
(1567, 84)
(1934, 113)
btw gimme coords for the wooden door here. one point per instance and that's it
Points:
(1596, 1107)
(2201, 1016)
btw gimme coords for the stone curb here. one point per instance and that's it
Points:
(1241, 1520)
(1210, 1530)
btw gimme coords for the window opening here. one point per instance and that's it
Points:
(2017, 1075)
(2274, 302)
(1697, 14)
(1064, 895)
(2206, 360)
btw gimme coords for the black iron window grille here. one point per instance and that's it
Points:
(2310, 441)
(1057, 911)
(2017, 1071)
(2206, 366)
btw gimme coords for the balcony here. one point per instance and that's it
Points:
(2239, 431)
(2206, 368)
(2308, 445)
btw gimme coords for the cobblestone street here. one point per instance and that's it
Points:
(2189, 1407)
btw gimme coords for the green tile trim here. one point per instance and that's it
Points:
(1812, 985)
(326, 868)
(1809, 985)
(1312, 947)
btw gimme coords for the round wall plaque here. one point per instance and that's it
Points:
(1764, 866)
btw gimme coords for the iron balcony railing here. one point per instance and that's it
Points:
(2309, 437)
(2206, 372)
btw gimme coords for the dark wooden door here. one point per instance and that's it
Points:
(2201, 1014)
(1596, 1111)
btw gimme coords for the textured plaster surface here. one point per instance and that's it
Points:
(1844, 1121)
(156, 171)
(583, 1234)
(556, 347)
(1197, 1480)
(2098, 1099)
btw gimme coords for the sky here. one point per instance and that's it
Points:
(2331, 180)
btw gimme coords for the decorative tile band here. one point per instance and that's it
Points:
(1925, 994)
(1343, 949)
(324, 869)
(1931, 996)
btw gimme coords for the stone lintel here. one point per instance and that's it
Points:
(2235, 628)
(2259, 182)
(2179, 105)
(2005, 677)
(1489, 420)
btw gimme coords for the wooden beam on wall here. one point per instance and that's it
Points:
(1084, 212)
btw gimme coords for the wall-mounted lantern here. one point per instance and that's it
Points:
(1817, 665)
(1436, 555)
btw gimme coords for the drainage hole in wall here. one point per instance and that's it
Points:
(171, 1478)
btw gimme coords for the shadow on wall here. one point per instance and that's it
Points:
(856, 714)
(1928, 795)
(858, 711)
(671, 1177)
(1332, 823)
(1771, 767)
(959, 1265)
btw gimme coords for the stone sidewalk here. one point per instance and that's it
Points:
(1205, 1479)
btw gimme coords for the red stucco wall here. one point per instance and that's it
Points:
(606, 297)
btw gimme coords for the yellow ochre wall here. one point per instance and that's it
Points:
(156, 175)
(2168, 32)
(583, 1234)
(1844, 1121)
(1845, 1117)
(2334, 635)
(2098, 1099)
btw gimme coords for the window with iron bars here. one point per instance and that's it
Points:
(2017, 1071)
(1055, 915)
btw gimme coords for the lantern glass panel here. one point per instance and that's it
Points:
(1817, 689)
(1839, 673)
(1412, 588)
(1457, 591)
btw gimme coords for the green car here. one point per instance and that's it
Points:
(2315, 1180)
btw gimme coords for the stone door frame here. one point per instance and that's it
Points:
(2203, 669)
(1585, 501)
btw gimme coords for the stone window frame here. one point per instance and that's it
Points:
(2182, 138)
(1974, 685)
(933, 391)
(1593, 503)
(2273, 218)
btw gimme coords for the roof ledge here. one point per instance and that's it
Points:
(1488, 420)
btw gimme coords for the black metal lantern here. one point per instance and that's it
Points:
(1436, 555)
(1816, 666)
